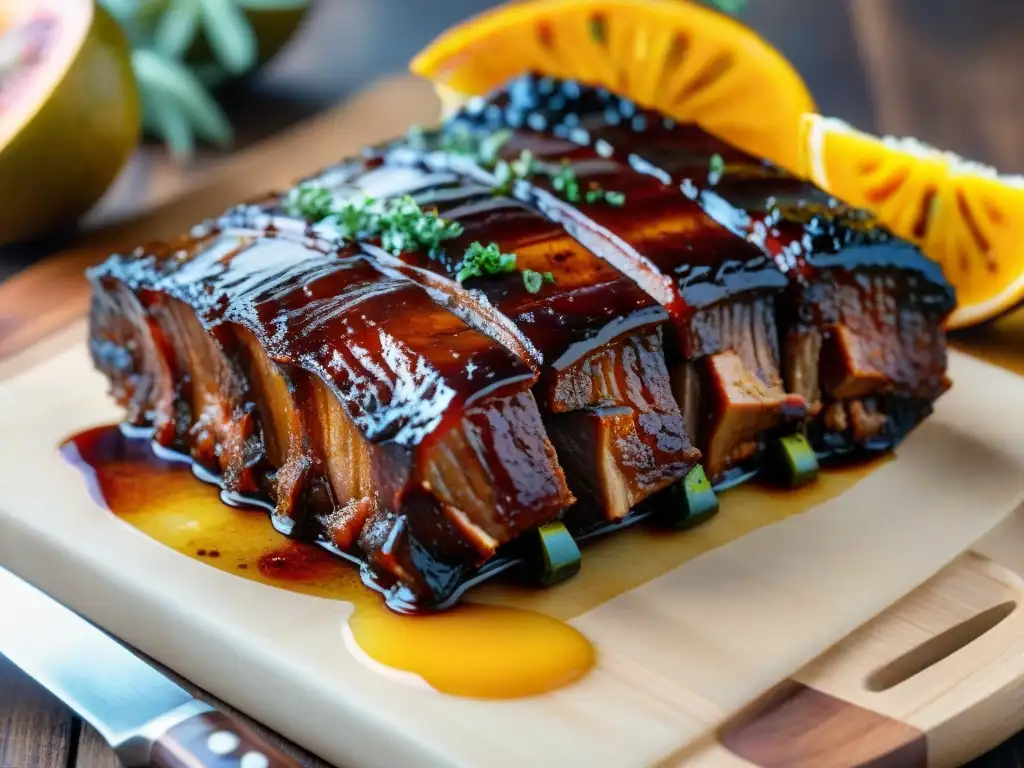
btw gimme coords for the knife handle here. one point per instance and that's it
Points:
(214, 740)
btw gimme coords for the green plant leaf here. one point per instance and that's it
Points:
(271, 5)
(172, 125)
(175, 81)
(230, 35)
(176, 29)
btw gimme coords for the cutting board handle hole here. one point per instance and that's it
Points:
(935, 649)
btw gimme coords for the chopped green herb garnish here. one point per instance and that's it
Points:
(565, 182)
(490, 146)
(459, 140)
(404, 226)
(506, 173)
(615, 199)
(534, 281)
(594, 195)
(480, 260)
(716, 165)
(356, 219)
(400, 223)
(310, 201)
(525, 165)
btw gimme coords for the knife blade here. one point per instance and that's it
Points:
(147, 718)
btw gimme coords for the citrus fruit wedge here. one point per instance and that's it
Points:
(962, 214)
(69, 112)
(683, 59)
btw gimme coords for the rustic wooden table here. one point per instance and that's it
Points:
(943, 70)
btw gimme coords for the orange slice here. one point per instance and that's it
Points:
(962, 214)
(681, 58)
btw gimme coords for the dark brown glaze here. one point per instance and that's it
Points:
(860, 304)
(413, 380)
(386, 410)
(591, 333)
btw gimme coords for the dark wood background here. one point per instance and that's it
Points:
(946, 71)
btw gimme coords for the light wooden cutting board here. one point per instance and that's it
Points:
(679, 654)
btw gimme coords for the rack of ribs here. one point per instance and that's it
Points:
(698, 307)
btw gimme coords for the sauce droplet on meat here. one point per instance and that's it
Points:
(483, 651)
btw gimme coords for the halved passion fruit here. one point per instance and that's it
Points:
(69, 112)
(962, 214)
(687, 61)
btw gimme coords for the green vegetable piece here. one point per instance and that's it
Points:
(490, 145)
(533, 281)
(615, 199)
(716, 166)
(311, 202)
(480, 260)
(594, 195)
(693, 501)
(525, 165)
(796, 463)
(551, 554)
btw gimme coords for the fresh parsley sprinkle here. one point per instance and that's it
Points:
(525, 165)
(534, 281)
(480, 260)
(490, 146)
(400, 223)
(459, 140)
(506, 173)
(716, 165)
(615, 199)
(565, 182)
(310, 201)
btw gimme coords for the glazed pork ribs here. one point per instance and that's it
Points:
(635, 314)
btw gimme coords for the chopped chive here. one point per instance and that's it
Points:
(490, 146)
(552, 554)
(548, 277)
(716, 166)
(310, 201)
(533, 281)
(480, 260)
(795, 462)
(615, 199)
(594, 195)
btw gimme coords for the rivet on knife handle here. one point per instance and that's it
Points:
(214, 740)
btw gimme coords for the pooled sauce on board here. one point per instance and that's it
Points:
(508, 642)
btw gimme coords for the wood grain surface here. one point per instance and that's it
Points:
(943, 70)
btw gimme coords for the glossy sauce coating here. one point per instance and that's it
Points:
(400, 364)
(659, 236)
(589, 302)
(790, 220)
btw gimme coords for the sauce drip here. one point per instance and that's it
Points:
(512, 641)
(484, 651)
